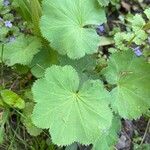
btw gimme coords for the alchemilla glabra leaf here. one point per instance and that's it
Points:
(107, 140)
(21, 50)
(42, 60)
(71, 113)
(63, 24)
(131, 75)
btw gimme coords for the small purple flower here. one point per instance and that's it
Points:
(137, 51)
(8, 24)
(100, 29)
(6, 2)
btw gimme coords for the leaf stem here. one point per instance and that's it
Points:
(2, 66)
(145, 27)
(147, 128)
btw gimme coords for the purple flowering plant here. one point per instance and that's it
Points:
(6, 2)
(8, 24)
(101, 29)
(137, 51)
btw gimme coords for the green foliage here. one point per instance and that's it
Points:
(71, 113)
(103, 2)
(1, 103)
(84, 66)
(121, 39)
(26, 120)
(130, 97)
(64, 24)
(20, 51)
(67, 100)
(12, 99)
(142, 147)
(3, 32)
(137, 35)
(42, 60)
(1, 4)
(21, 69)
(147, 12)
(3, 120)
(138, 24)
(109, 137)
(31, 11)
(23, 8)
(1, 134)
(73, 146)
(106, 41)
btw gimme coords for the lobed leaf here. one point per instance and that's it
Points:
(42, 60)
(21, 51)
(71, 113)
(64, 25)
(130, 74)
(84, 66)
(109, 137)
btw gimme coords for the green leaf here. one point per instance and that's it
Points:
(2, 132)
(23, 7)
(27, 122)
(84, 66)
(36, 13)
(21, 51)
(73, 146)
(137, 22)
(3, 120)
(1, 4)
(4, 31)
(63, 24)
(28, 95)
(140, 37)
(121, 38)
(103, 2)
(1, 103)
(131, 74)
(106, 41)
(71, 113)
(21, 69)
(12, 99)
(145, 146)
(147, 12)
(42, 60)
(109, 137)
(87, 63)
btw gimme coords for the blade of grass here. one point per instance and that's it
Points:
(36, 13)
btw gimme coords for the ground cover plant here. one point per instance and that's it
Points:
(75, 74)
